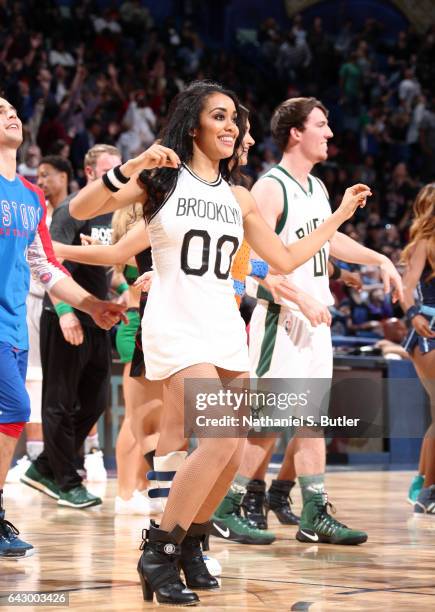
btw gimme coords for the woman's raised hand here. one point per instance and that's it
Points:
(156, 156)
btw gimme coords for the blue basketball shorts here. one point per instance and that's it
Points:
(14, 399)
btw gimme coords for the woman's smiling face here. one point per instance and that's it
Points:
(217, 132)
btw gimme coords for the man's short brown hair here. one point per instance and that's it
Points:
(94, 153)
(292, 113)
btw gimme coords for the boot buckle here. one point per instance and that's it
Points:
(145, 537)
(169, 549)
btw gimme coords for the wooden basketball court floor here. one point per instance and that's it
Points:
(92, 555)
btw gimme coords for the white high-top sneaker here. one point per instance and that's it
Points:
(14, 474)
(156, 504)
(94, 466)
(137, 504)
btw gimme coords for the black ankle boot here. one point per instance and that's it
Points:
(278, 500)
(158, 567)
(253, 504)
(191, 561)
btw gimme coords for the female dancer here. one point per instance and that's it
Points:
(142, 414)
(124, 246)
(170, 453)
(419, 257)
(193, 327)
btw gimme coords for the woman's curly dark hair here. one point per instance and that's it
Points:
(177, 134)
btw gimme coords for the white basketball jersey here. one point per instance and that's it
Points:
(303, 211)
(191, 314)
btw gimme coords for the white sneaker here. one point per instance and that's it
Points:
(213, 565)
(94, 466)
(137, 504)
(15, 473)
(156, 504)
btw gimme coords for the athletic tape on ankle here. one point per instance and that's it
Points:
(163, 478)
(158, 493)
(151, 475)
(165, 468)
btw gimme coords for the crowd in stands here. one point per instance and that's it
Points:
(79, 74)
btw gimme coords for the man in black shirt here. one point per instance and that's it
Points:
(75, 355)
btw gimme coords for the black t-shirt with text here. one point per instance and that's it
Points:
(94, 279)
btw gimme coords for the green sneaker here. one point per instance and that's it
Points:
(318, 526)
(415, 488)
(78, 497)
(229, 524)
(36, 480)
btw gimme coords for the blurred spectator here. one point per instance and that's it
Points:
(322, 51)
(379, 305)
(29, 167)
(427, 141)
(368, 174)
(425, 59)
(51, 128)
(84, 141)
(364, 59)
(59, 56)
(298, 30)
(60, 148)
(27, 106)
(368, 310)
(375, 233)
(351, 80)
(399, 194)
(400, 51)
(292, 58)
(140, 121)
(397, 130)
(269, 38)
(409, 88)
(135, 17)
(417, 113)
(269, 160)
(190, 50)
(107, 23)
(344, 39)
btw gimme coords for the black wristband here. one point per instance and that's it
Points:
(118, 174)
(412, 312)
(337, 272)
(108, 183)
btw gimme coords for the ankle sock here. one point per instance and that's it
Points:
(239, 484)
(34, 448)
(311, 484)
(91, 442)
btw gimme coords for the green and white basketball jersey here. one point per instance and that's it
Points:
(303, 211)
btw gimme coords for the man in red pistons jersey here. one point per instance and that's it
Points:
(25, 247)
